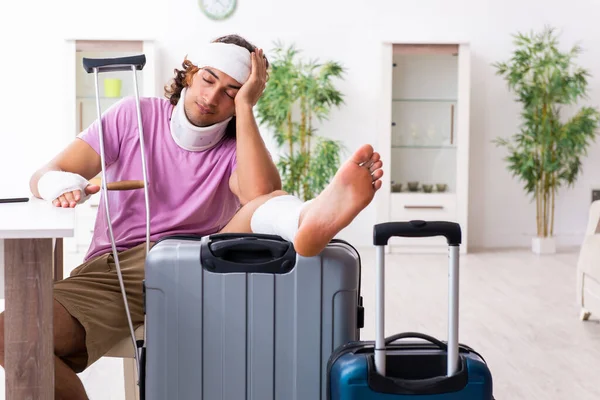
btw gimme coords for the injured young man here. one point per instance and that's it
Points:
(208, 172)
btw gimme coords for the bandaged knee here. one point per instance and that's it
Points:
(279, 216)
(53, 184)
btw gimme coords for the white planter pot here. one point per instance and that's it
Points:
(543, 245)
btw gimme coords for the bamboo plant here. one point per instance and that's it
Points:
(297, 93)
(546, 154)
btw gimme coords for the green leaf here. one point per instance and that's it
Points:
(299, 93)
(546, 153)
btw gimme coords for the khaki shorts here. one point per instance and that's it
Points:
(92, 295)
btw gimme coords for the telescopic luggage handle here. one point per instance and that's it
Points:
(381, 234)
(417, 228)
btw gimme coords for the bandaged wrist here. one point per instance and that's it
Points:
(55, 183)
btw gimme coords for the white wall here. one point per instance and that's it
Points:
(32, 128)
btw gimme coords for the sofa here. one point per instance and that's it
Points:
(588, 266)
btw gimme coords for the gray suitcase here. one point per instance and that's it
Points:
(232, 317)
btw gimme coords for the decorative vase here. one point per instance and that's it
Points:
(112, 87)
(396, 187)
(543, 245)
(413, 186)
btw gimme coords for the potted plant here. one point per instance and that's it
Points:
(298, 92)
(547, 151)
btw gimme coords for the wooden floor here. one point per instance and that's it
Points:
(517, 309)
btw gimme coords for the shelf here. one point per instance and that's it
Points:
(420, 192)
(425, 100)
(434, 147)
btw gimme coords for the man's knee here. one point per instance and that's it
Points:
(69, 334)
(273, 194)
(252, 205)
(259, 201)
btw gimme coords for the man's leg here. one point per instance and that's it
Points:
(310, 226)
(240, 223)
(69, 338)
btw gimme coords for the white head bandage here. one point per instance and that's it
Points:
(229, 58)
(190, 136)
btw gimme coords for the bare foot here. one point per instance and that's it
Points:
(350, 191)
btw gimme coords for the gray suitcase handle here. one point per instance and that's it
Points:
(381, 234)
(247, 253)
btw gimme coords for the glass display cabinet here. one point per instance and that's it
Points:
(428, 138)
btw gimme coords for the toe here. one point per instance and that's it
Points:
(377, 174)
(377, 165)
(363, 154)
(372, 161)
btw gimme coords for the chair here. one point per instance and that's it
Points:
(125, 350)
(588, 266)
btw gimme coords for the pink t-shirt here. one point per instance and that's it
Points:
(188, 191)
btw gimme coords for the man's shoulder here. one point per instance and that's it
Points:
(125, 109)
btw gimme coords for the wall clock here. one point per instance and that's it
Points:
(217, 9)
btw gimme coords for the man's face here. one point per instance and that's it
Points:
(210, 97)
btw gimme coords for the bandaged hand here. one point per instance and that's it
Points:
(65, 189)
(253, 88)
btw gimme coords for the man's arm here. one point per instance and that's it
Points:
(70, 171)
(256, 173)
(79, 158)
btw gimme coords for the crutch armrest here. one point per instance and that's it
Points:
(114, 64)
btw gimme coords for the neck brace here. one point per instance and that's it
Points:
(191, 137)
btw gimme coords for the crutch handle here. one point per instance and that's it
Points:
(125, 185)
(114, 64)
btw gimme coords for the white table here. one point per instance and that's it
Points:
(32, 233)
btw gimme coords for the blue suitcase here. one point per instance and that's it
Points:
(427, 369)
